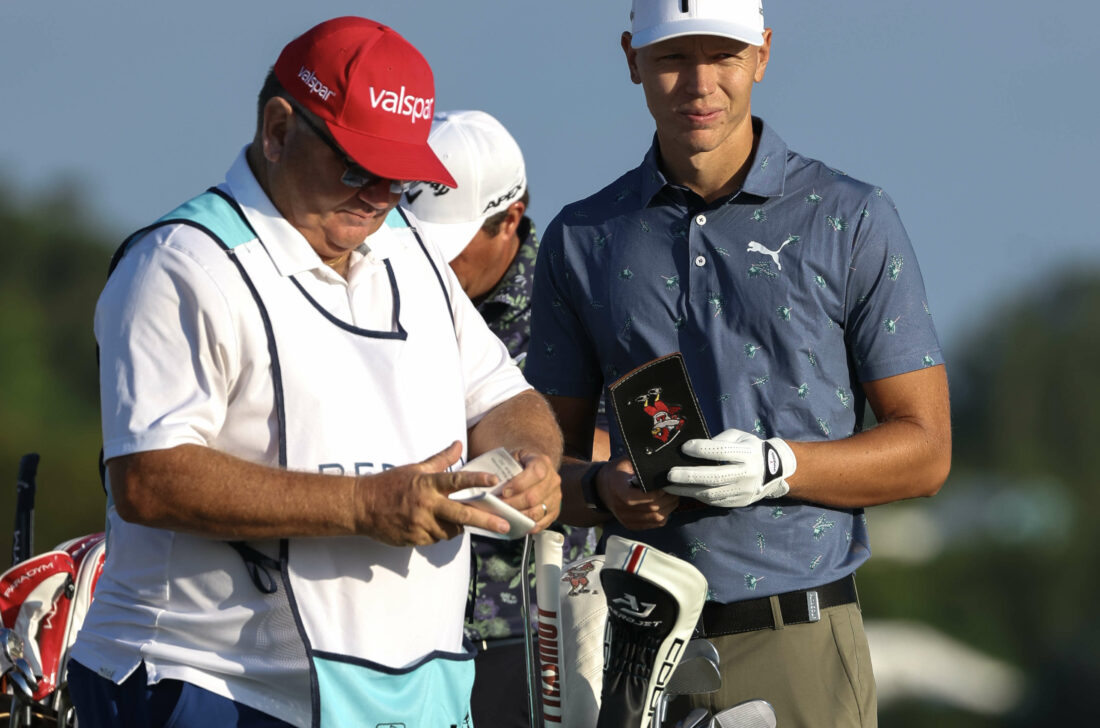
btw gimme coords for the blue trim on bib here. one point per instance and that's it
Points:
(434, 692)
(438, 275)
(400, 334)
(213, 211)
(395, 219)
(314, 683)
(469, 654)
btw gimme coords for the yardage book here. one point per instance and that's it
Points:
(657, 412)
(500, 463)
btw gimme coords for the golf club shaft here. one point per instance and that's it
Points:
(528, 647)
(22, 546)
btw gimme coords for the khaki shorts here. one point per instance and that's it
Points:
(814, 674)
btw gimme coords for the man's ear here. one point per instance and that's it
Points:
(631, 57)
(274, 128)
(513, 216)
(763, 55)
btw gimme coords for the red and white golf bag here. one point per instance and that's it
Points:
(611, 631)
(44, 599)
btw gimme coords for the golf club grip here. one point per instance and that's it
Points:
(548, 563)
(22, 541)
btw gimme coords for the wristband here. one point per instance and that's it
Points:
(589, 491)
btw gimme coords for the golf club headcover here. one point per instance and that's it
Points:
(35, 600)
(88, 554)
(583, 617)
(653, 604)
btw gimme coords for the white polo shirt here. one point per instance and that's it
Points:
(184, 360)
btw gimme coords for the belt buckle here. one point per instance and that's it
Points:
(813, 609)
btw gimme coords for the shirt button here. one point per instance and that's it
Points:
(700, 261)
(700, 219)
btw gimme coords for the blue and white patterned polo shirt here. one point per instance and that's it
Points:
(782, 297)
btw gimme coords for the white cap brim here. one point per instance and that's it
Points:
(696, 26)
(450, 237)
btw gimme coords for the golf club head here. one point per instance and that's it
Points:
(750, 714)
(11, 643)
(694, 676)
(697, 718)
(701, 647)
(24, 668)
(15, 677)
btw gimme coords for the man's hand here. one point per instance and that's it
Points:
(752, 469)
(633, 507)
(408, 505)
(536, 492)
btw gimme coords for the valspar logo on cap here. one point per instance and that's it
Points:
(401, 104)
(309, 78)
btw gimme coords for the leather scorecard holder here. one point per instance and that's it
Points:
(656, 410)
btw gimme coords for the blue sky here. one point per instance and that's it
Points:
(974, 115)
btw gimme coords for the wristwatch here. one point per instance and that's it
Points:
(589, 492)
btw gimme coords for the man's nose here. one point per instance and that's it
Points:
(700, 79)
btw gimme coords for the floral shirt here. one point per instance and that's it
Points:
(507, 308)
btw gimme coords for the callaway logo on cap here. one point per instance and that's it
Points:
(652, 21)
(374, 92)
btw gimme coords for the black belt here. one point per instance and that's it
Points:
(797, 607)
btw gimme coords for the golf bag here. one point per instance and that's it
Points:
(645, 605)
(43, 600)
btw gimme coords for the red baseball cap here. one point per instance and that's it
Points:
(373, 90)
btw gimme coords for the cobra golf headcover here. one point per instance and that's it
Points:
(653, 604)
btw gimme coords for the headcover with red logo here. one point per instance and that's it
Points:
(571, 618)
(374, 91)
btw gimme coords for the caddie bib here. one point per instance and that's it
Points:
(381, 625)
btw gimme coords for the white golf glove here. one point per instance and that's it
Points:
(752, 469)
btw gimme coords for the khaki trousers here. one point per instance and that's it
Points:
(815, 674)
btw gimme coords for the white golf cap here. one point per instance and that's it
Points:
(487, 166)
(652, 21)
